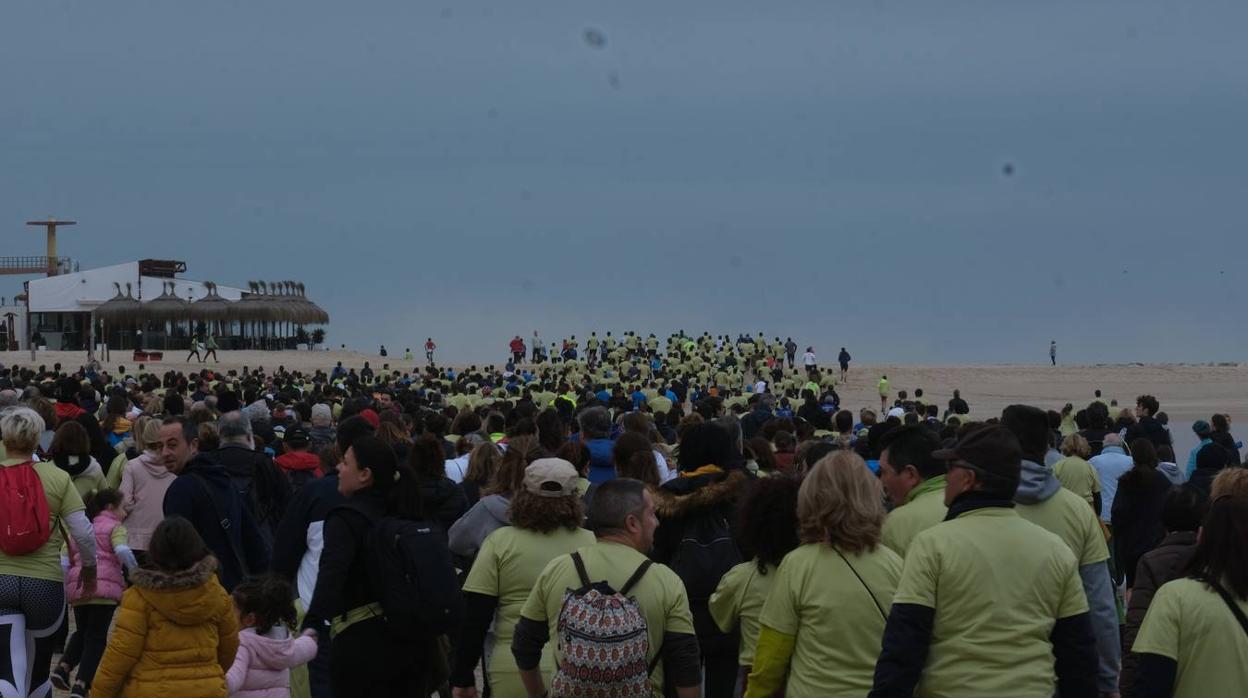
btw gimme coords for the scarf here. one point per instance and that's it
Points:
(704, 470)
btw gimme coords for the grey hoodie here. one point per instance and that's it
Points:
(469, 532)
(1173, 473)
(1038, 484)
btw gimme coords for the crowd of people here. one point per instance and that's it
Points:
(705, 520)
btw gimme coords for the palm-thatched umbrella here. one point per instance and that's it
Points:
(167, 308)
(259, 307)
(212, 308)
(121, 310)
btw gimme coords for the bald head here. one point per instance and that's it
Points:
(1112, 440)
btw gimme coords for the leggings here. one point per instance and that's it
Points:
(31, 610)
(86, 645)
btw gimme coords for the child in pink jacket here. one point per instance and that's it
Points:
(266, 650)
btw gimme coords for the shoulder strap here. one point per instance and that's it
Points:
(632, 581)
(1230, 602)
(864, 586)
(226, 525)
(580, 568)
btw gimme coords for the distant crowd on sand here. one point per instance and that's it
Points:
(698, 518)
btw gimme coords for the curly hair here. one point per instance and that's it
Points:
(270, 598)
(841, 503)
(769, 519)
(545, 514)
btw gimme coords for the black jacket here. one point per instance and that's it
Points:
(1162, 564)
(1148, 428)
(313, 503)
(268, 490)
(1136, 517)
(753, 422)
(1225, 440)
(444, 501)
(343, 582)
(203, 494)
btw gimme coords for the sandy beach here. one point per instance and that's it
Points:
(1186, 391)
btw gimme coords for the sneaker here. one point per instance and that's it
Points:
(80, 690)
(60, 677)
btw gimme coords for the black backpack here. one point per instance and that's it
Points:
(413, 577)
(705, 553)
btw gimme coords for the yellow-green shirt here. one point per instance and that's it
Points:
(998, 584)
(507, 567)
(924, 508)
(63, 500)
(1078, 476)
(1066, 515)
(833, 615)
(738, 600)
(660, 594)
(1191, 624)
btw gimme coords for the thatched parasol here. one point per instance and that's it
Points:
(212, 307)
(166, 307)
(258, 305)
(120, 308)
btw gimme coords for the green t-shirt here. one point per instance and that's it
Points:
(998, 584)
(1071, 519)
(924, 508)
(838, 623)
(660, 594)
(1078, 476)
(738, 600)
(1191, 624)
(63, 500)
(507, 566)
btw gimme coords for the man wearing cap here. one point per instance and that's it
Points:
(915, 482)
(989, 604)
(1042, 500)
(298, 464)
(623, 519)
(545, 523)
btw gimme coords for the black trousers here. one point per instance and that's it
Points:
(367, 662)
(86, 645)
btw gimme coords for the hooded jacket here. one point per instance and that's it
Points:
(144, 482)
(1039, 487)
(175, 636)
(443, 500)
(685, 506)
(468, 533)
(85, 471)
(203, 494)
(1162, 564)
(1173, 473)
(300, 536)
(262, 666)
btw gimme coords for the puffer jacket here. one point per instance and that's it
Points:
(444, 501)
(1162, 564)
(262, 666)
(175, 636)
(108, 580)
(144, 482)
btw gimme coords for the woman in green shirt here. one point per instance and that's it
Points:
(546, 515)
(824, 619)
(769, 528)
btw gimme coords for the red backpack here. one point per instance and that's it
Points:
(25, 521)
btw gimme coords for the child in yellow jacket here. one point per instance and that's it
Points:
(176, 632)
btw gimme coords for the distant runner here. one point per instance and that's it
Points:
(843, 359)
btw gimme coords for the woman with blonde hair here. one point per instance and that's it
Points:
(144, 481)
(836, 588)
(1076, 473)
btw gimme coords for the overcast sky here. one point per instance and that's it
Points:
(921, 182)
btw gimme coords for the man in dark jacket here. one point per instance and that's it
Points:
(1146, 425)
(266, 490)
(758, 416)
(1182, 514)
(203, 494)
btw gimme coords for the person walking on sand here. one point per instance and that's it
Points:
(210, 347)
(1053, 352)
(429, 348)
(843, 359)
(194, 349)
(882, 386)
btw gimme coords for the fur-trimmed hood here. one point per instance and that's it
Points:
(185, 596)
(686, 496)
